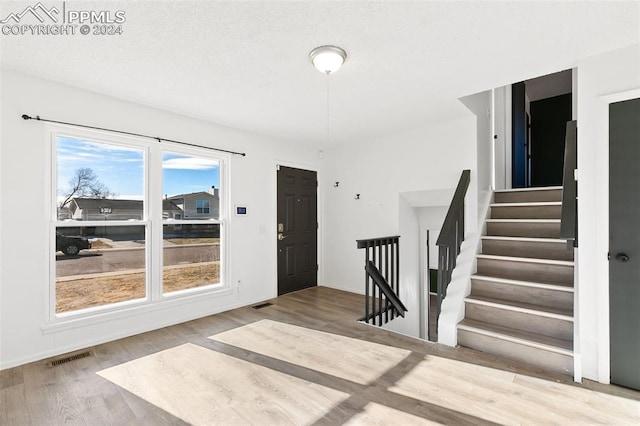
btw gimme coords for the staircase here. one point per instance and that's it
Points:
(521, 301)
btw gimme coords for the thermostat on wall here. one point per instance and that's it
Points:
(241, 211)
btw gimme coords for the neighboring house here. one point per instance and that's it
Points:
(198, 205)
(64, 213)
(171, 210)
(113, 209)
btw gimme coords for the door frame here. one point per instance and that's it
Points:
(602, 233)
(274, 227)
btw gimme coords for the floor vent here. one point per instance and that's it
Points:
(69, 358)
(262, 305)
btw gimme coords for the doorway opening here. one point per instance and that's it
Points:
(540, 110)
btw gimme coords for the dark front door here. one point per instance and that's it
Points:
(297, 229)
(624, 242)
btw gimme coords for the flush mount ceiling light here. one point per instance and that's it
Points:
(328, 59)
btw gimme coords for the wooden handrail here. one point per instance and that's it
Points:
(449, 226)
(450, 239)
(569, 216)
(376, 241)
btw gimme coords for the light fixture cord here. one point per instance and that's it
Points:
(328, 139)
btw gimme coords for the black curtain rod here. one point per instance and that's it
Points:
(37, 118)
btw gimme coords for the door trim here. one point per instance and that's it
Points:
(602, 233)
(273, 234)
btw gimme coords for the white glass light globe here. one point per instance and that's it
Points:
(328, 59)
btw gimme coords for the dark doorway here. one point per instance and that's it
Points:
(297, 229)
(540, 110)
(624, 242)
(527, 150)
(548, 126)
(519, 136)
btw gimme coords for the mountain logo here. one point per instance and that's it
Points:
(38, 11)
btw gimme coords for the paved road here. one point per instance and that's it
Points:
(96, 261)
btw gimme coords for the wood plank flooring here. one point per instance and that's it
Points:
(404, 381)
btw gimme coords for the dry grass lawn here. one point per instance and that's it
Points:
(99, 290)
(193, 240)
(99, 244)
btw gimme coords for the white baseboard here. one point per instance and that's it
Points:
(343, 288)
(118, 335)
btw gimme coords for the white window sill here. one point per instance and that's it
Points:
(131, 309)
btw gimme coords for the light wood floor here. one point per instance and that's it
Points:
(265, 366)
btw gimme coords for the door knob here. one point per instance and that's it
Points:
(622, 257)
(281, 237)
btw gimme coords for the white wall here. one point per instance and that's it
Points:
(480, 105)
(24, 182)
(410, 283)
(502, 129)
(431, 158)
(418, 212)
(601, 79)
(430, 219)
(1, 217)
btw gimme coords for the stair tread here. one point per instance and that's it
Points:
(565, 314)
(559, 287)
(525, 337)
(541, 188)
(525, 259)
(526, 239)
(516, 302)
(529, 204)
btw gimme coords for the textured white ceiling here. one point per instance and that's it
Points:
(245, 64)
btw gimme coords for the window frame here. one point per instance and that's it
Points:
(205, 208)
(152, 220)
(223, 214)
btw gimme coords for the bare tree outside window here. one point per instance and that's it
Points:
(85, 183)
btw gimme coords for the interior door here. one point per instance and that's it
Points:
(297, 229)
(624, 242)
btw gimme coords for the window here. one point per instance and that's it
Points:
(103, 224)
(202, 206)
(191, 241)
(100, 236)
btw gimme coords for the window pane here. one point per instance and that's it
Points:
(99, 265)
(190, 186)
(99, 181)
(191, 256)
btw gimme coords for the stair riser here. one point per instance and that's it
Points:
(549, 361)
(552, 327)
(528, 196)
(523, 294)
(532, 230)
(529, 249)
(526, 212)
(524, 271)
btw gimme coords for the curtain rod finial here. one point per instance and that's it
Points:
(25, 117)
